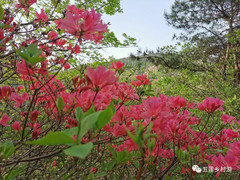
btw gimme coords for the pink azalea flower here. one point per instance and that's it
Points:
(43, 70)
(61, 42)
(177, 102)
(117, 65)
(5, 119)
(85, 24)
(69, 47)
(35, 134)
(135, 111)
(118, 130)
(71, 24)
(129, 145)
(66, 66)
(52, 35)
(220, 161)
(25, 4)
(23, 68)
(84, 100)
(77, 49)
(5, 91)
(234, 149)
(16, 126)
(230, 134)
(93, 170)
(102, 100)
(54, 163)
(91, 24)
(34, 115)
(19, 99)
(68, 100)
(120, 115)
(136, 83)
(74, 10)
(228, 119)
(36, 130)
(143, 78)
(42, 17)
(210, 105)
(100, 77)
(153, 107)
(126, 92)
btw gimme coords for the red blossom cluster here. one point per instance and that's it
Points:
(171, 117)
(210, 104)
(83, 24)
(25, 4)
(141, 80)
(118, 66)
(5, 91)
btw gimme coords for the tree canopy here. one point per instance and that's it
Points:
(211, 25)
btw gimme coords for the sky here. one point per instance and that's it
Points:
(143, 20)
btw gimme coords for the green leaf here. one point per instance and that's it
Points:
(105, 117)
(134, 138)
(33, 50)
(59, 103)
(91, 176)
(180, 154)
(79, 114)
(122, 156)
(113, 152)
(151, 145)
(70, 132)
(13, 173)
(90, 111)
(136, 163)
(220, 150)
(35, 60)
(31, 54)
(207, 161)
(54, 138)
(109, 165)
(7, 149)
(149, 128)
(102, 173)
(23, 55)
(139, 131)
(80, 151)
(1, 12)
(148, 136)
(189, 148)
(88, 122)
(195, 149)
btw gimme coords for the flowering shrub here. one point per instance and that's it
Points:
(99, 127)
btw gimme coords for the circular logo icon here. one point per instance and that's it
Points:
(198, 170)
(194, 167)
